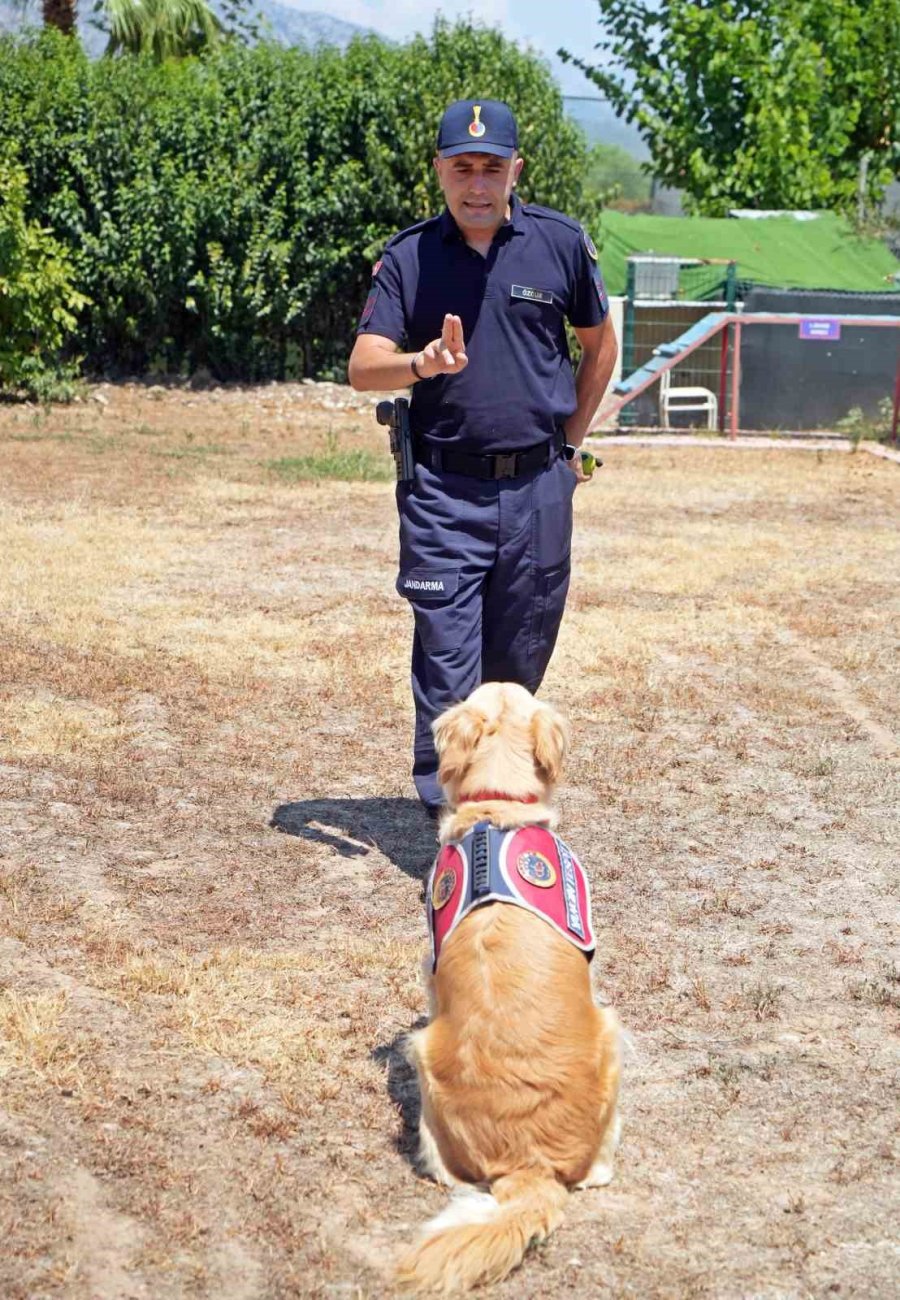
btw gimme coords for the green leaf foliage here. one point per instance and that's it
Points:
(760, 103)
(165, 29)
(38, 303)
(225, 211)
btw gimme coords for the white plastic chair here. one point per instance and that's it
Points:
(686, 399)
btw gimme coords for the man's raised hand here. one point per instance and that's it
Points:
(446, 355)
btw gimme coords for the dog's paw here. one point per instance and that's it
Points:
(601, 1175)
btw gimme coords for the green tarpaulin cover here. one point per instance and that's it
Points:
(784, 252)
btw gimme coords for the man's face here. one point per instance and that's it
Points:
(477, 187)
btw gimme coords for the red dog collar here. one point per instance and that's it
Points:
(485, 796)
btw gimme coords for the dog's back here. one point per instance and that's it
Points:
(513, 1057)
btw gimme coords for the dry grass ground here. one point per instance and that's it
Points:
(211, 865)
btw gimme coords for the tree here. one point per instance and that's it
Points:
(618, 177)
(163, 28)
(60, 14)
(759, 103)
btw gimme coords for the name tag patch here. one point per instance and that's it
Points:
(423, 584)
(426, 584)
(531, 295)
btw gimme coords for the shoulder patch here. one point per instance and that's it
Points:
(377, 267)
(369, 308)
(589, 245)
(601, 291)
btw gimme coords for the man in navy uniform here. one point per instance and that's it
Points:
(470, 308)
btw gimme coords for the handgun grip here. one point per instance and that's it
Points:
(384, 412)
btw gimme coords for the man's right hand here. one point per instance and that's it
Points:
(377, 366)
(446, 355)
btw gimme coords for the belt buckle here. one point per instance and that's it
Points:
(505, 465)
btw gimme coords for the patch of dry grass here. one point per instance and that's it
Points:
(257, 1009)
(35, 1038)
(879, 990)
(55, 728)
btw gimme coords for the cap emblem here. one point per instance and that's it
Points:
(476, 127)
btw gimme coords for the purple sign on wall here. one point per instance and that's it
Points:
(821, 328)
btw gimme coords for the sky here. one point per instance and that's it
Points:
(544, 24)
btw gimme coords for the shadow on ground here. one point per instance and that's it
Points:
(403, 1090)
(398, 828)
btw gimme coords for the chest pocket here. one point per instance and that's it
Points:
(536, 311)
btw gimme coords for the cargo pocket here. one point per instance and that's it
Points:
(551, 516)
(551, 589)
(432, 594)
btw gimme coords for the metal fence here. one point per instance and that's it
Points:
(664, 296)
(855, 356)
(838, 362)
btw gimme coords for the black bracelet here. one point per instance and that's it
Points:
(415, 369)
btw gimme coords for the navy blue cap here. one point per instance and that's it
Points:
(478, 126)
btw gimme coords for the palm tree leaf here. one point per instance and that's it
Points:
(163, 28)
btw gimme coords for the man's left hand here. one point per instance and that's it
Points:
(577, 469)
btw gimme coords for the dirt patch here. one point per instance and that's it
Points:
(211, 863)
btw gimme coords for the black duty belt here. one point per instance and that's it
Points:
(501, 465)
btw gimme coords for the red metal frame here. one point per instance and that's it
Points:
(723, 376)
(735, 382)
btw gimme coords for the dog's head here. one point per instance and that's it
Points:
(501, 740)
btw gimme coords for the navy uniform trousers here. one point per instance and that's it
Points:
(485, 567)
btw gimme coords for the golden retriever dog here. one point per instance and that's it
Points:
(518, 1068)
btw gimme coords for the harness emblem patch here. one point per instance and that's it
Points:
(570, 891)
(536, 869)
(442, 889)
(476, 126)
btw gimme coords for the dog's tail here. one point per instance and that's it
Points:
(481, 1237)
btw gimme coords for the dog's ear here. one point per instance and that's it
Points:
(550, 740)
(456, 733)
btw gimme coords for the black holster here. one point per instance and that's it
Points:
(396, 416)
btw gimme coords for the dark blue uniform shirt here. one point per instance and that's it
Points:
(519, 386)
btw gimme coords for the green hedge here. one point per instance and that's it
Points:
(225, 211)
(38, 303)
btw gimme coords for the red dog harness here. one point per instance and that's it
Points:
(530, 867)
